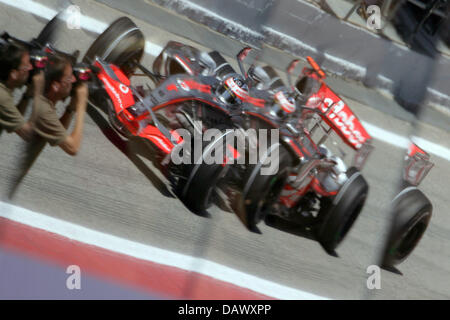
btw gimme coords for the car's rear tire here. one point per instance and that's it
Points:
(261, 192)
(412, 211)
(339, 213)
(122, 44)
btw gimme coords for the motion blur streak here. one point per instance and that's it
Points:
(152, 49)
(403, 142)
(87, 23)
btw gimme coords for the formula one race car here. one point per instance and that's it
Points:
(411, 209)
(196, 91)
(188, 101)
(312, 187)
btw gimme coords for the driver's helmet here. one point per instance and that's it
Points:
(285, 101)
(233, 90)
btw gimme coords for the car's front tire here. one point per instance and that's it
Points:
(338, 214)
(122, 44)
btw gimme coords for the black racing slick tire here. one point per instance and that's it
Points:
(49, 34)
(261, 192)
(122, 44)
(196, 187)
(339, 213)
(412, 212)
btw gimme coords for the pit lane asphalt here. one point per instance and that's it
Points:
(103, 190)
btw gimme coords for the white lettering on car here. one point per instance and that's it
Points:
(345, 122)
(124, 88)
(114, 92)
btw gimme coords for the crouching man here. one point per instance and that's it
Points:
(46, 126)
(15, 67)
(59, 80)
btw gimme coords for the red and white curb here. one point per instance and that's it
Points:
(170, 274)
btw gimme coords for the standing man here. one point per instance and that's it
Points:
(15, 69)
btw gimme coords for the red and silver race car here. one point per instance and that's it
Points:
(312, 187)
(178, 101)
(196, 91)
(411, 210)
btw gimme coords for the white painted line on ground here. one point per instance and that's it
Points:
(433, 148)
(403, 142)
(386, 136)
(152, 254)
(32, 7)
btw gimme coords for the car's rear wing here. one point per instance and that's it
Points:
(417, 165)
(338, 115)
